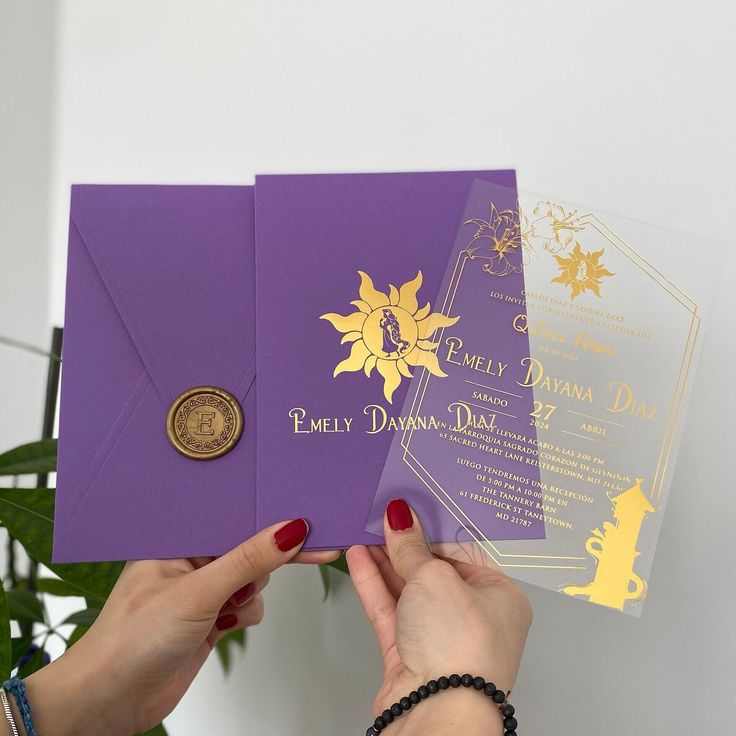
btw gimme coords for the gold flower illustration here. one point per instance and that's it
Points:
(527, 234)
(389, 333)
(581, 271)
(555, 227)
(503, 233)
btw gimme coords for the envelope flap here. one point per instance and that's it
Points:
(178, 263)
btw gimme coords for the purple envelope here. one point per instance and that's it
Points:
(160, 298)
(327, 245)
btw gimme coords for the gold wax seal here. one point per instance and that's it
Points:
(204, 422)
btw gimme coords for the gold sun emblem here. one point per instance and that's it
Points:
(581, 271)
(389, 333)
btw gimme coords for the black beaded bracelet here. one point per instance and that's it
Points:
(442, 683)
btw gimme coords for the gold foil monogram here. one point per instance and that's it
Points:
(390, 333)
(204, 422)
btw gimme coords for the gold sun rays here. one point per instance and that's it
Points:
(389, 333)
(581, 271)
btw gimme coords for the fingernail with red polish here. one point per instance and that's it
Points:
(291, 534)
(226, 621)
(399, 515)
(244, 594)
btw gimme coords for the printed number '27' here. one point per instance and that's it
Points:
(543, 411)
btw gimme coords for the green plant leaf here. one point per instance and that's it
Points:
(324, 573)
(32, 665)
(77, 634)
(33, 458)
(155, 731)
(6, 648)
(225, 647)
(28, 514)
(83, 618)
(94, 601)
(20, 645)
(54, 586)
(340, 564)
(23, 605)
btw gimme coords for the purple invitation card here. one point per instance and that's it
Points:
(348, 269)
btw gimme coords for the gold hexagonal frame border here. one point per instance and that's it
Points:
(491, 549)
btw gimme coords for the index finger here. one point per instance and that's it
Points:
(257, 556)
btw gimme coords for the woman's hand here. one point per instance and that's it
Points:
(433, 617)
(157, 628)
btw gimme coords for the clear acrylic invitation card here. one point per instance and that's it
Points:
(578, 437)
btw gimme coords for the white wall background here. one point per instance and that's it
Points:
(627, 106)
(27, 38)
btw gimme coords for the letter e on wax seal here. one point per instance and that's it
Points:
(204, 422)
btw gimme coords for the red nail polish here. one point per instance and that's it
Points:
(291, 534)
(399, 515)
(226, 621)
(244, 594)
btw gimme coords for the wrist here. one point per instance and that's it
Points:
(449, 712)
(69, 698)
(444, 705)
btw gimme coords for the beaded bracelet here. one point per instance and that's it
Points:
(442, 683)
(17, 688)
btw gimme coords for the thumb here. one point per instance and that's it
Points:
(405, 544)
(261, 554)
